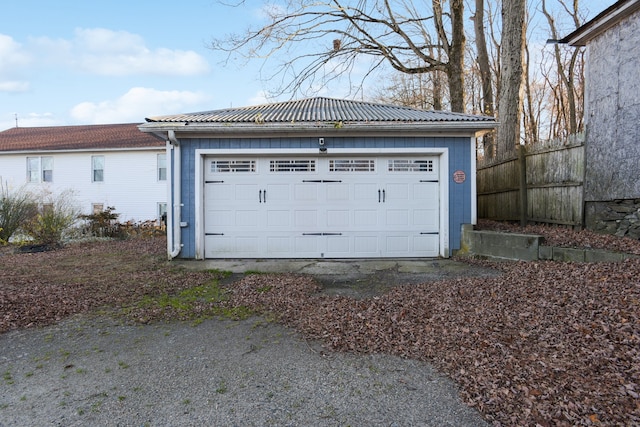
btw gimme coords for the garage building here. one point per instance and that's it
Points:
(319, 178)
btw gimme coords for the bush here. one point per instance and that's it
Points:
(56, 215)
(104, 223)
(16, 209)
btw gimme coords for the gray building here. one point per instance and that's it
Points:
(612, 117)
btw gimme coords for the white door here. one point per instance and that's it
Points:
(321, 207)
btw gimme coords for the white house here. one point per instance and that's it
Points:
(319, 178)
(104, 166)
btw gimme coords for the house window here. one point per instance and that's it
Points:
(301, 165)
(410, 165)
(352, 165)
(40, 169)
(97, 168)
(97, 208)
(222, 166)
(162, 214)
(162, 167)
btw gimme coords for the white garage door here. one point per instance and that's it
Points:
(321, 207)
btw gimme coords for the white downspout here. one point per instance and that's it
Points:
(174, 243)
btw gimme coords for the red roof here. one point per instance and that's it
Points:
(86, 137)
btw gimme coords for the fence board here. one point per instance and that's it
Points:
(554, 182)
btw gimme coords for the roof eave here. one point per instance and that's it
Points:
(601, 23)
(79, 150)
(226, 129)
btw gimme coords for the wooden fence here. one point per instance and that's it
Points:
(541, 183)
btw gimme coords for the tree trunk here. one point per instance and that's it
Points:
(488, 140)
(511, 75)
(456, 57)
(483, 59)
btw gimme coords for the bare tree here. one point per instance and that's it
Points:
(484, 70)
(324, 40)
(567, 92)
(511, 75)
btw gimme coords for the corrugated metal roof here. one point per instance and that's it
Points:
(77, 138)
(320, 110)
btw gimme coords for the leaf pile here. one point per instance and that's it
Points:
(38, 289)
(544, 344)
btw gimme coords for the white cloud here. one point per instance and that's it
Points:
(119, 53)
(13, 86)
(261, 97)
(12, 54)
(14, 61)
(135, 105)
(30, 120)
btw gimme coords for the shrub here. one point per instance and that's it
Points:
(16, 208)
(103, 223)
(56, 215)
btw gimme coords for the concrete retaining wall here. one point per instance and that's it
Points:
(527, 247)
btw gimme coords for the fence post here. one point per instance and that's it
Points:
(522, 160)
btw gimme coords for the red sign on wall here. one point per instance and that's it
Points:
(459, 177)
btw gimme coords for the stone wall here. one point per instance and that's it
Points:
(619, 217)
(613, 113)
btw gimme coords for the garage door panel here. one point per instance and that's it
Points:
(219, 192)
(426, 243)
(366, 192)
(247, 218)
(307, 245)
(425, 191)
(426, 218)
(396, 217)
(338, 245)
(219, 218)
(337, 192)
(278, 218)
(366, 245)
(245, 192)
(306, 220)
(337, 219)
(279, 244)
(366, 219)
(396, 193)
(306, 193)
(278, 193)
(396, 244)
(222, 246)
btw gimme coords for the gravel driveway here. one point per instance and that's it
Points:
(96, 371)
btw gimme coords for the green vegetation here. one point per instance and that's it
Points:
(197, 303)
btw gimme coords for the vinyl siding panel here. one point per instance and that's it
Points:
(130, 182)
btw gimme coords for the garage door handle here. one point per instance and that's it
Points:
(384, 196)
(378, 196)
(262, 196)
(322, 234)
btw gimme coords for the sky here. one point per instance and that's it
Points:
(75, 62)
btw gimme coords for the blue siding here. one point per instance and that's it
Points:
(459, 159)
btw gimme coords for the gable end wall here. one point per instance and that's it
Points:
(613, 102)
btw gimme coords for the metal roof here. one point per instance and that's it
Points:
(315, 110)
